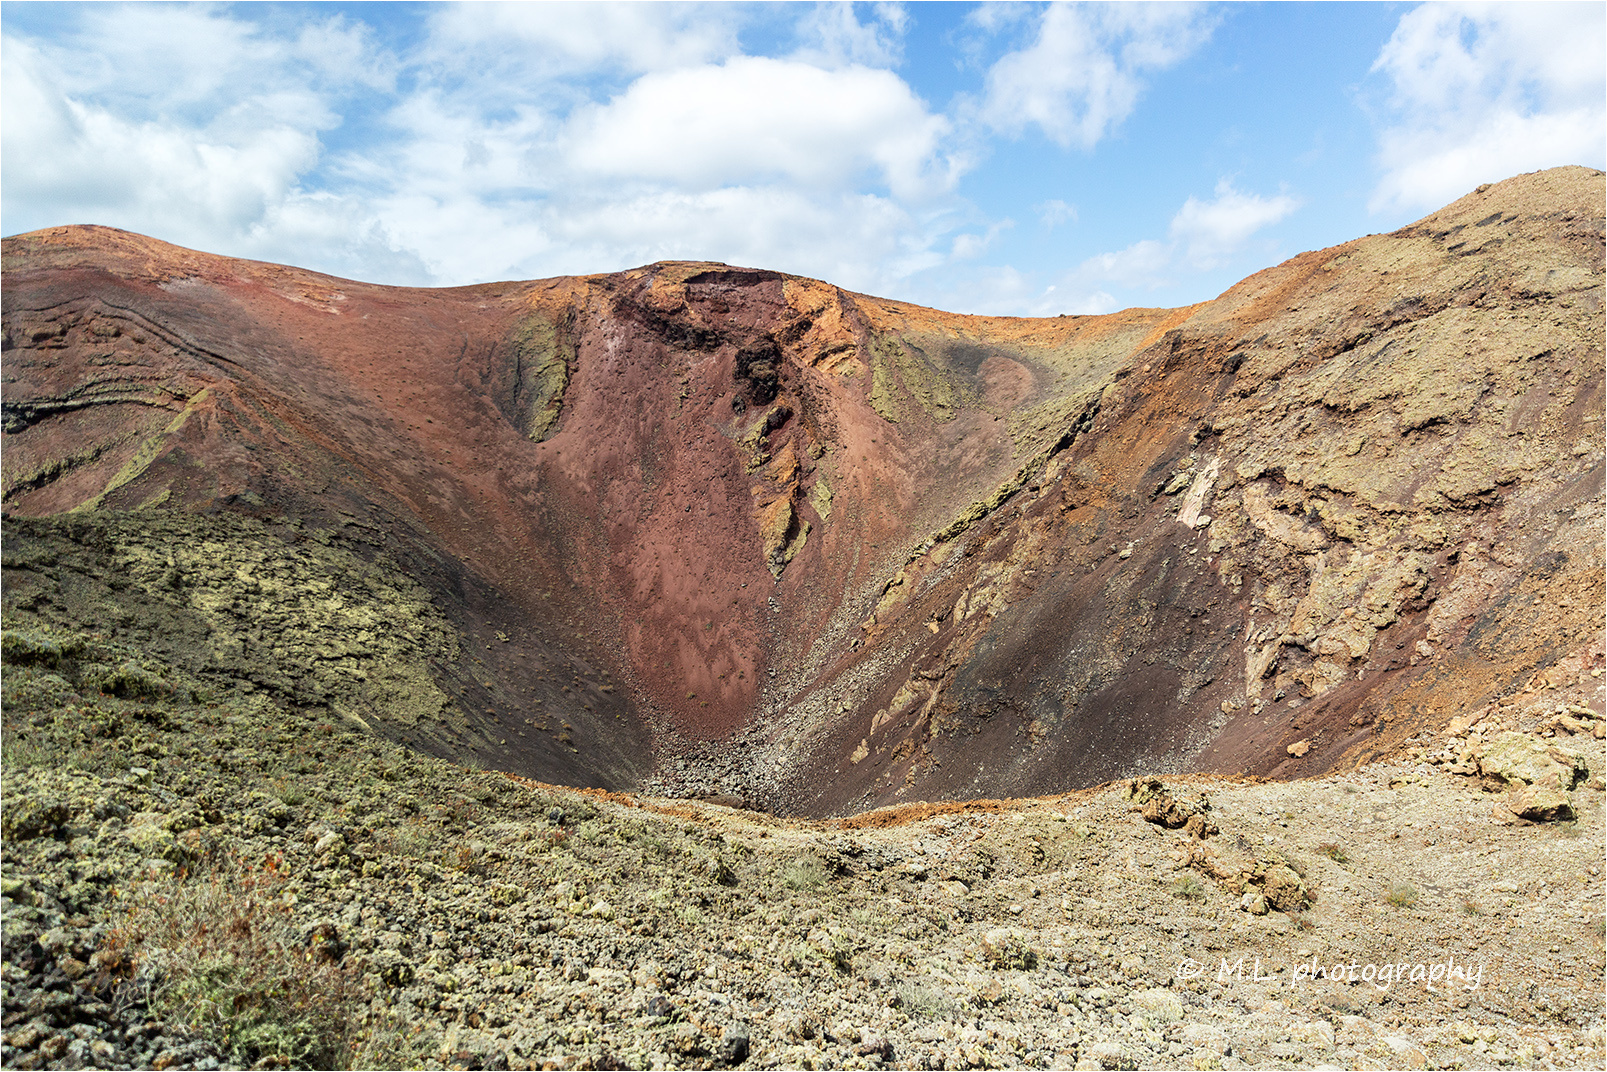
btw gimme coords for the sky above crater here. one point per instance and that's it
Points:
(1003, 158)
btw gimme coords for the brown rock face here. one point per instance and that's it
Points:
(911, 554)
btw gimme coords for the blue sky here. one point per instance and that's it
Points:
(996, 158)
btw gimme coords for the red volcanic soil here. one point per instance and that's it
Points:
(903, 554)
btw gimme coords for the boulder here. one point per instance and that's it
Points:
(1542, 802)
(1518, 759)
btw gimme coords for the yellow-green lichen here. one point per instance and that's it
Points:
(820, 497)
(541, 376)
(148, 452)
(310, 618)
(899, 375)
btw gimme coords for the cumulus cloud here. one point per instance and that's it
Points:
(1084, 72)
(526, 140)
(1212, 230)
(774, 226)
(778, 118)
(62, 154)
(970, 244)
(1203, 235)
(1480, 92)
(832, 35)
(1142, 264)
(192, 126)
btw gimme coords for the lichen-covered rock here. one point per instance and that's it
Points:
(1007, 947)
(1542, 801)
(1521, 759)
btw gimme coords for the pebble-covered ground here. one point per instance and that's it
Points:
(196, 879)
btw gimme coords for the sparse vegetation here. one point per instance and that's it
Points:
(1403, 894)
(804, 874)
(925, 1003)
(219, 952)
(1334, 851)
(1188, 887)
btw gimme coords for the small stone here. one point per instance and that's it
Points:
(1108, 1054)
(1207, 1037)
(1006, 947)
(734, 1045)
(27, 1036)
(155, 842)
(873, 1045)
(1162, 1006)
(1406, 1052)
(1299, 748)
(55, 939)
(1319, 1033)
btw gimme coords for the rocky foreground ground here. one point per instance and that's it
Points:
(203, 879)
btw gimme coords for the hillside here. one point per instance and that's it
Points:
(194, 879)
(724, 531)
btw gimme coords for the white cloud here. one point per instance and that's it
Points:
(1002, 290)
(520, 141)
(180, 122)
(1142, 264)
(1204, 236)
(173, 180)
(550, 40)
(1480, 92)
(1212, 230)
(833, 36)
(775, 119)
(1054, 212)
(969, 244)
(1085, 71)
(1002, 15)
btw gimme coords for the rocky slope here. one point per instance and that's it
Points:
(884, 553)
(198, 879)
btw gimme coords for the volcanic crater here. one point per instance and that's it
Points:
(830, 551)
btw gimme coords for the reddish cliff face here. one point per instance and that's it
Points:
(909, 554)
